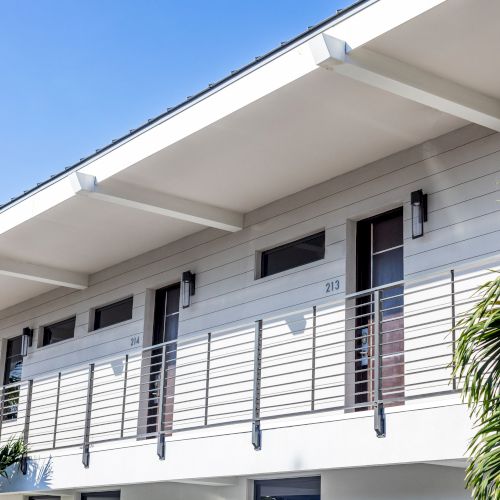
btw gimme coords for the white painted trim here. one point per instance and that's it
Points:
(43, 274)
(404, 80)
(358, 27)
(157, 203)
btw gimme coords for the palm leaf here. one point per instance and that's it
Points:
(477, 364)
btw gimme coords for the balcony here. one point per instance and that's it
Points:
(384, 350)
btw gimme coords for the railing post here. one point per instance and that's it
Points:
(207, 384)
(160, 445)
(313, 354)
(378, 403)
(88, 415)
(257, 369)
(56, 416)
(29, 396)
(453, 326)
(124, 396)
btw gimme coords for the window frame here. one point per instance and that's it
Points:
(54, 323)
(95, 310)
(7, 357)
(96, 494)
(260, 255)
(258, 483)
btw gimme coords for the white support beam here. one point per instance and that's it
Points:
(43, 274)
(157, 203)
(404, 80)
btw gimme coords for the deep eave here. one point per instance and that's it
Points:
(191, 100)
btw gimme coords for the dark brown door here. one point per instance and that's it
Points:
(165, 329)
(379, 262)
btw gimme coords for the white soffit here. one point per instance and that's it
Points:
(377, 18)
(155, 202)
(458, 40)
(401, 79)
(280, 127)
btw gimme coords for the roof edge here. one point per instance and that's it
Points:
(202, 94)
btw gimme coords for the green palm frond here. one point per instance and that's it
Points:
(477, 364)
(11, 453)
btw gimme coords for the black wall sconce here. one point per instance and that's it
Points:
(26, 340)
(188, 288)
(418, 213)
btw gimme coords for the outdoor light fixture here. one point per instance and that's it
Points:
(418, 213)
(26, 340)
(188, 287)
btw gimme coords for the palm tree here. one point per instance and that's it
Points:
(477, 365)
(12, 453)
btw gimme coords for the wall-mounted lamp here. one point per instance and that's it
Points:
(26, 340)
(188, 288)
(418, 213)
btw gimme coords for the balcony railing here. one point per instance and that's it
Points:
(368, 351)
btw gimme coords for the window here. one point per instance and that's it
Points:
(12, 374)
(294, 254)
(45, 497)
(104, 495)
(56, 332)
(13, 361)
(298, 488)
(113, 313)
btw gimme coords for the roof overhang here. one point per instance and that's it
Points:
(292, 120)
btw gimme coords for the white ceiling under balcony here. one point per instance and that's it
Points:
(314, 127)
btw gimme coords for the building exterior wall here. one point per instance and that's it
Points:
(458, 171)
(411, 482)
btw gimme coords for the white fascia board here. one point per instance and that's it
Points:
(157, 203)
(43, 274)
(409, 82)
(357, 27)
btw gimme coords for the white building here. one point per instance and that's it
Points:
(309, 355)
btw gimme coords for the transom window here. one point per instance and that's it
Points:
(294, 254)
(101, 495)
(297, 488)
(62, 330)
(113, 313)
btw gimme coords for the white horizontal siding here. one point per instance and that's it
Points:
(459, 171)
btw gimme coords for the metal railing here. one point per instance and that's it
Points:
(368, 351)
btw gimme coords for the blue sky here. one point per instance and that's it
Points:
(77, 74)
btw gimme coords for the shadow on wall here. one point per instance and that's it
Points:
(37, 477)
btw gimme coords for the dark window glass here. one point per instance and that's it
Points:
(387, 267)
(388, 232)
(13, 361)
(105, 495)
(12, 374)
(293, 254)
(62, 330)
(45, 497)
(113, 313)
(299, 488)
